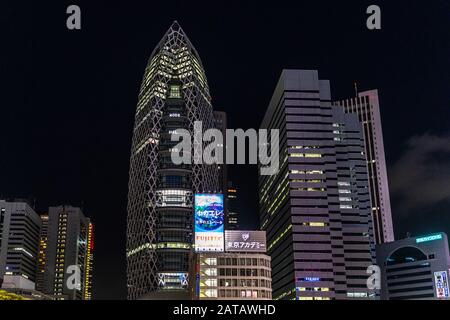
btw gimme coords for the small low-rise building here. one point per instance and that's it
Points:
(415, 268)
(242, 272)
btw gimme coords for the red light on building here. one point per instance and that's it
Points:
(91, 236)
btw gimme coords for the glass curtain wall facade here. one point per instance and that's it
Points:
(173, 95)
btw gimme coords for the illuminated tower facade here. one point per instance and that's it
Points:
(366, 105)
(316, 209)
(173, 95)
(42, 253)
(89, 262)
(69, 244)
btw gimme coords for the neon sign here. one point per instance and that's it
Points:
(432, 237)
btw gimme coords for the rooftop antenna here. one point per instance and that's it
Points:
(356, 89)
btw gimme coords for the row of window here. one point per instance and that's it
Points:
(234, 293)
(254, 283)
(244, 262)
(244, 272)
(248, 294)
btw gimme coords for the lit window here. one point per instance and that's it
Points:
(314, 224)
(174, 91)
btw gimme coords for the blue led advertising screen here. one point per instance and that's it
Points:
(209, 223)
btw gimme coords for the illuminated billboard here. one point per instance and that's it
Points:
(173, 280)
(432, 237)
(441, 284)
(245, 241)
(209, 223)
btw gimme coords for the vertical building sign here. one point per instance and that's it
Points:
(441, 284)
(209, 223)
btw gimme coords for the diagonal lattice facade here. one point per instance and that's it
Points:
(156, 249)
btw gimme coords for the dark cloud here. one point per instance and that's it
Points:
(420, 179)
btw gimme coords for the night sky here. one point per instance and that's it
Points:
(68, 97)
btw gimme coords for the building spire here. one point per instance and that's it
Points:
(175, 24)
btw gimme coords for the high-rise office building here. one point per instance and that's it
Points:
(220, 123)
(19, 238)
(68, 253)
(173, 95)
(42, 253)
(316, 209)
(232, 209)
(366, 105)
(415, 268)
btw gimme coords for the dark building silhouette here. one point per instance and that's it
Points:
(19, 238)
(232, 217)
(42, 253)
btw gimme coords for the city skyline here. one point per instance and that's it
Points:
(97, 164)
(48, 256)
